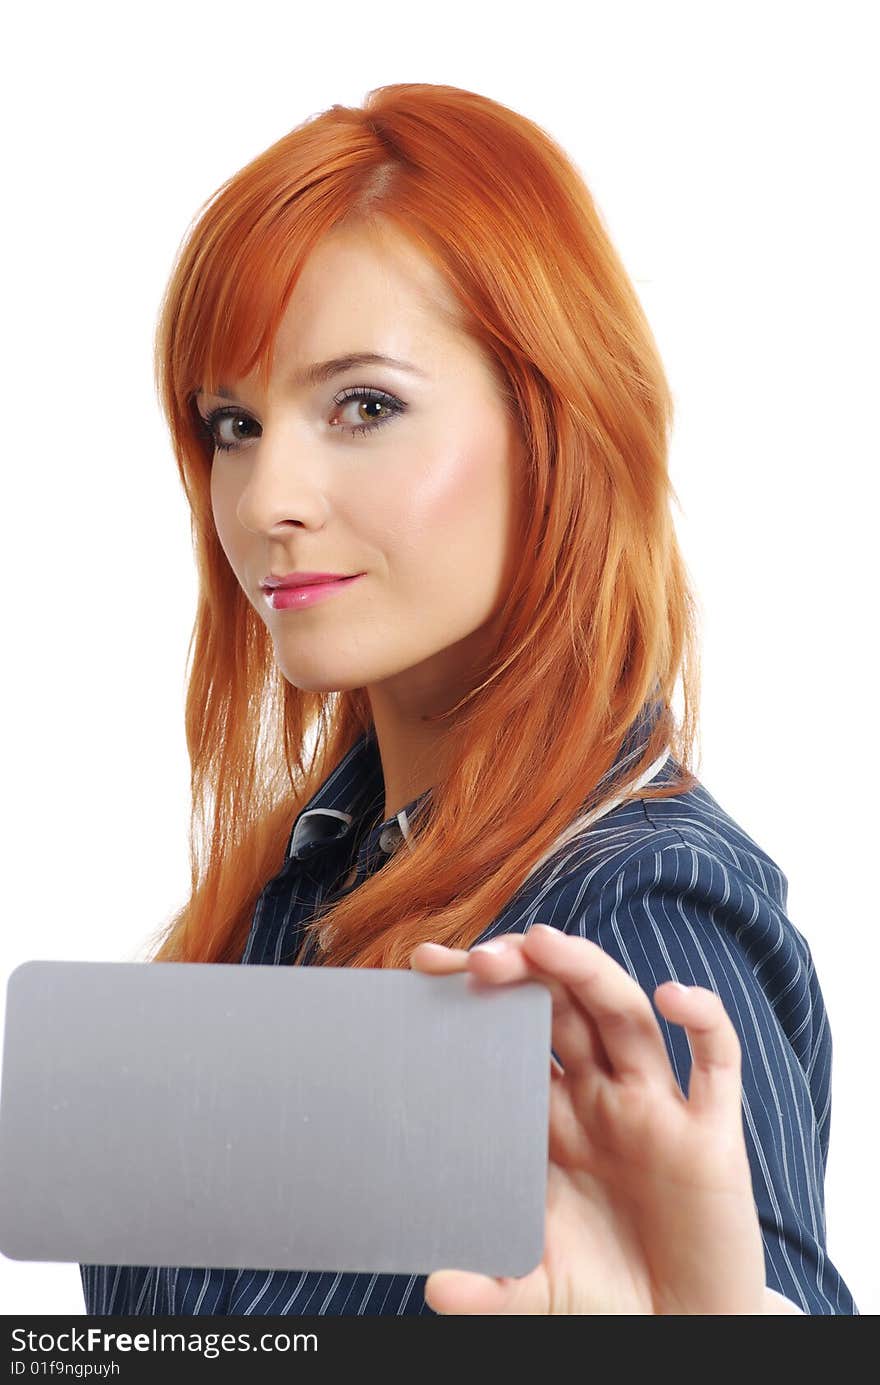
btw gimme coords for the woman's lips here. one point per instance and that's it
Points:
(295, 598)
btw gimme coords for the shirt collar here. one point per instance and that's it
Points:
(355, 791)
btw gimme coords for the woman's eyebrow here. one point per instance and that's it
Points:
(321, 371)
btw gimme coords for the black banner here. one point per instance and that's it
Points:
(193, 1349)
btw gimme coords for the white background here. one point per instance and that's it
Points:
(731, 149)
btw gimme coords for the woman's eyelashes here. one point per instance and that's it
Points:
(381, 408)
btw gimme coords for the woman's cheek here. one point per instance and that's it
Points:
(447, 530)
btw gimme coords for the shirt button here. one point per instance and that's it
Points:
(390, 838)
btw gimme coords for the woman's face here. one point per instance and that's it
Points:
(411, 487)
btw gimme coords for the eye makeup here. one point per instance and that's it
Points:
(212, 421)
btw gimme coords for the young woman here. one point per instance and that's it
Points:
(422, 427)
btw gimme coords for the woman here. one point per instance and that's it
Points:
(399, 350)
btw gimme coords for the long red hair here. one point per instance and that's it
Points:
(600, 620)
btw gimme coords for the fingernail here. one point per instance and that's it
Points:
(678, 986)
(496, 945)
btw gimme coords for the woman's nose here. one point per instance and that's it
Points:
(284, 485)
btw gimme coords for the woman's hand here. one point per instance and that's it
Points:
(649, 1194)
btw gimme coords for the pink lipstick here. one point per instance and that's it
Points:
(290, 598)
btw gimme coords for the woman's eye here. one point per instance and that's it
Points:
(374, 406)
(362, 410)
(212, 425)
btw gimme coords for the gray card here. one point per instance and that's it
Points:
(316, 1118)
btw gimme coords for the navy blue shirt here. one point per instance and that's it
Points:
(671, 889)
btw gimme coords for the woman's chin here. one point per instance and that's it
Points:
(319, 682)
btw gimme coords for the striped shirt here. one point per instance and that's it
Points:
(671, 889)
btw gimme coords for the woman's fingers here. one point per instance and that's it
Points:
(617, 1005)
(437, 959)
(602, 1019)
(715, 1084)
(504, 960)
(603, 1022)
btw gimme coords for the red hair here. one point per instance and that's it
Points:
(597, 624)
